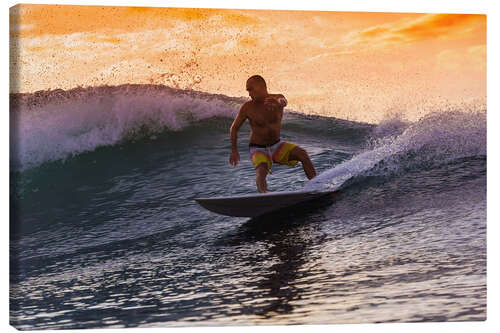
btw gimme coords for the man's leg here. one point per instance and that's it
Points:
(300, 154)
(261, 173)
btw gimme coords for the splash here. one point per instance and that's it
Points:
(436, 139)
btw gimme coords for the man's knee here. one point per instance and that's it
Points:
(297, 153)
(261, 169)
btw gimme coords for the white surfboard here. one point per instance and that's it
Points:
(257, 204)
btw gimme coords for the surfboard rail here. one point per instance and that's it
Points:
(245, 205)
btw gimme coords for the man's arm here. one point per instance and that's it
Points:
(234, 157)
(277, 100)
(238, 121)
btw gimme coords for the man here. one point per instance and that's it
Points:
(264, 112)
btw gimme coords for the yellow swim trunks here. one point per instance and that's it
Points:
(277, 152)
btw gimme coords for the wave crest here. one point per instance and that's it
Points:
(52, 125)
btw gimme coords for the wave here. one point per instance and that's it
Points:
(436, 139)
(56, 124)
(53, 125)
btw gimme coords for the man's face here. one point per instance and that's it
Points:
(256, 91)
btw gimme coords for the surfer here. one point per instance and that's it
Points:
(264, 112)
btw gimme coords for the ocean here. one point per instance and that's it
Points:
(104, 231)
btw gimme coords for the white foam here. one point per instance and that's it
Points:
(67, 124)
(437, 138)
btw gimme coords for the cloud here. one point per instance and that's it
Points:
(478, 50)
(477, 54)
(67, 19)
(472, 58)
(428, 26)
(409, 30)
(328, 55)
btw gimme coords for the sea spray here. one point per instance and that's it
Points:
(437, 138)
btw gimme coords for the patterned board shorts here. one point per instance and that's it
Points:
(277, 152)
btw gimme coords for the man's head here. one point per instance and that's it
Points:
(256, 87)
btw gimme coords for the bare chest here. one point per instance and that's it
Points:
(260, 117)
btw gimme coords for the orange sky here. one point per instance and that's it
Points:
(358, 66)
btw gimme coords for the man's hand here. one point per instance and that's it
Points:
(234, 158)
(272, 104)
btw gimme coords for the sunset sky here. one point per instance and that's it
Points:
(359, 66)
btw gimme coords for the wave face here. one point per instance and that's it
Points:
(56, 124)
(104, 224)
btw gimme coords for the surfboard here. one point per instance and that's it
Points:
(257, 204)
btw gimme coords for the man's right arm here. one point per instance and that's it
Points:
(238, 121)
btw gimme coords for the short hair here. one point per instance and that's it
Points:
(257, 78)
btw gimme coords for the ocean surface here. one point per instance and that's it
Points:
(105, 231)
